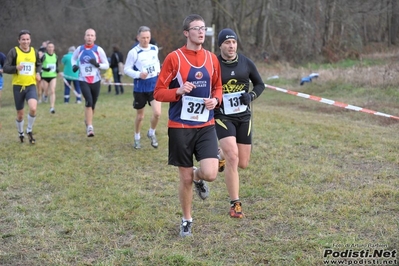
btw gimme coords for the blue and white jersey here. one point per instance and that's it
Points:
(140, 60)
(88, 72)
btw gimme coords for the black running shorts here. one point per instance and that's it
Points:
(241, 130)
(22, 94)
(186, 142)
(140, 99)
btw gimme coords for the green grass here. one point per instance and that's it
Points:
(320, 176)
(347, 63)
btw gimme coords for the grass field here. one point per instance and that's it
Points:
(320, 178)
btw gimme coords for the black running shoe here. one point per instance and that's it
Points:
(21, 136)
(30, 136)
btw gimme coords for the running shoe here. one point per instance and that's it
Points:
(201, 188)
(185, 228)
(222, 163)
(153, 138)
(236, 210)
(52, 110)
(21, 136)
(90, 131)
(30, 136)
(137, 144)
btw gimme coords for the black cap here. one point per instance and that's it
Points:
(226, 34)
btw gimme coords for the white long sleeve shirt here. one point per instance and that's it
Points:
(140, 60)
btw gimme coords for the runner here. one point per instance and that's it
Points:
(190, 81)
(89, 59)
(233, 118)
(142, 64)
(49, 73)
(24, 64)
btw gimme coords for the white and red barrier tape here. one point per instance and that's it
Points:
(115, 83)
(70, 87)
(103, 81)
(331, 102)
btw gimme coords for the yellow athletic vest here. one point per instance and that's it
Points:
(27, 76)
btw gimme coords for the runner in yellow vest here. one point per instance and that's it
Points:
(49, 74)
(23, 62)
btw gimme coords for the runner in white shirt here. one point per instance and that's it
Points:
(142, 64)
(89, 59)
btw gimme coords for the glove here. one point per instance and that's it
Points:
(246, 98)
(75, 68)
(94, 62)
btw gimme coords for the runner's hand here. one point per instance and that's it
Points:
(94, 62)
(246, 98)
(186, 88)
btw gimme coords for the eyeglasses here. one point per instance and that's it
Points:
(198, 28)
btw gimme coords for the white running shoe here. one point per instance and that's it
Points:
(153, 138)
(90, 131)
(185, 228)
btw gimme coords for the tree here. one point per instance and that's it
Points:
(291, 30)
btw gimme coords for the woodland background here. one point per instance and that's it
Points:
(269, 30)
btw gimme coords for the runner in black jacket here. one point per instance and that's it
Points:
(233, 118)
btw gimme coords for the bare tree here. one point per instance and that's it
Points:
(292, 30)
(394, 23)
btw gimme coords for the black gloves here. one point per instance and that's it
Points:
(94, 62)
(246, 98)
(91, 61)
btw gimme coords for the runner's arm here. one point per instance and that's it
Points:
(103, 59)
(217, 87)
(164, 91)
(256, 79)
(129, 64)
(10, 63)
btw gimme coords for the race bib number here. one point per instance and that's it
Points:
(87, 70)
(152, 69)
(28, 69)
(51, 67)
(194, 109)
(232, 103)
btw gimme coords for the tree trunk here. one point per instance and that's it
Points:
(393, 30)
(329, 22)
